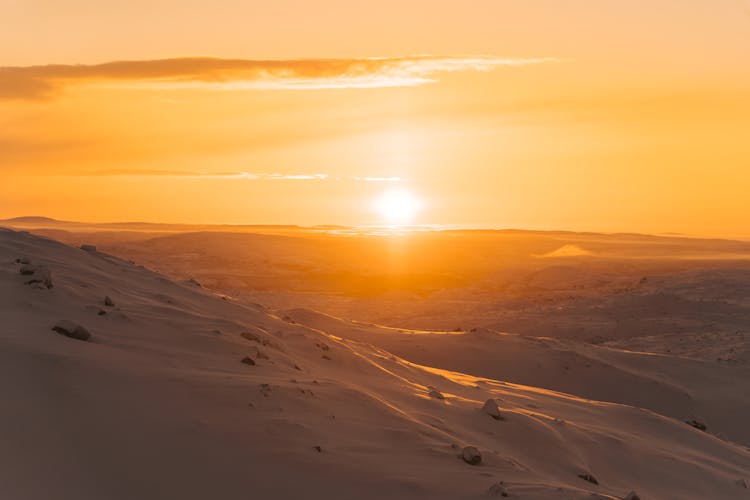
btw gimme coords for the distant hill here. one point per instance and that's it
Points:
(31, 219)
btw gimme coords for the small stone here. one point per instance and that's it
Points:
(491, 408)
(108, 301)
(498, 490)
(697, 424)
(632, 496)
(27, 270)
(71, 330)
(588, 477)
(23, 260)
(248, 361)
(742, 483)
(434, 393)
(88, 248)
(318, 449)
(471, 455)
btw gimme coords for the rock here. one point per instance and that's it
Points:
(72, 330)
(318, 449)
(498, 490)
(742, 483)
(108, 301)
(697, 424)
(632, 496)
(434, 393)
(88, 248)
(27, 269)
(492, 409)
(248, 361)
(42, 276)
(586, 476)
(23, 260)
(471, 455)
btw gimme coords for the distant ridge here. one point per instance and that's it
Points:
(34, 219)
(42, 222)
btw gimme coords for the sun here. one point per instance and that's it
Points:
(397, 206)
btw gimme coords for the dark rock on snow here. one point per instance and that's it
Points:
(471, 455)
(492, 409)
(71, 329)
(27, 270)
(248, 361)
(588, 477)
(697, 424)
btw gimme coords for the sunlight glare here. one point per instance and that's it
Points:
(397, 206)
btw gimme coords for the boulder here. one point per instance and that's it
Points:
(492, 409)
(108, 301)
(71, 329)
(632, 496)
(471, 455)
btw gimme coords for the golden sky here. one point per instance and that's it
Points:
(604, 115)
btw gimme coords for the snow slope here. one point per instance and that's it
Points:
(158, 404)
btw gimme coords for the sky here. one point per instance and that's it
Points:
(602, 115)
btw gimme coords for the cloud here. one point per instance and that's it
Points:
(225, 175)
(40, 82)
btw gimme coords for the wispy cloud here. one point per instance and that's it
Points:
(38, 82)
(251, 176)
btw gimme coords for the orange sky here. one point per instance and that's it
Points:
(608, 115)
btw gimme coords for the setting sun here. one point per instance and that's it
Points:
(397, 206)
